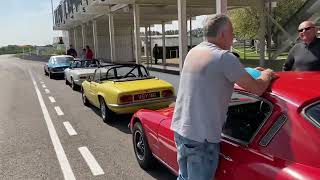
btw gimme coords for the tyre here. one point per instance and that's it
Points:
(84, 98)
(51, 75)
(107, 115)
(73, 85)
(141, 147)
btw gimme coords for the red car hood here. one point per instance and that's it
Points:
(296, 87)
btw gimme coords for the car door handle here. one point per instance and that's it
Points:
(228, 158)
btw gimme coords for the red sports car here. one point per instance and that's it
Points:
(276, 136)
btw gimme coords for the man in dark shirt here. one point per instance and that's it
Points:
(305, 56)
(156, 53)
(72, 52)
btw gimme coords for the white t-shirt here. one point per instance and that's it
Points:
(206, 87)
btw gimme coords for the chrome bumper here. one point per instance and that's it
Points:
(78, 82)
(142, 103)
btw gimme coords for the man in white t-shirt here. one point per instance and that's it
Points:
(206, 86)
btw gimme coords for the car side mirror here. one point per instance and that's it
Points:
(89, 79)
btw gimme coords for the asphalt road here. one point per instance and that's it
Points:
(47, 133)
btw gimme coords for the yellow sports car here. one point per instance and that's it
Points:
(124, 89)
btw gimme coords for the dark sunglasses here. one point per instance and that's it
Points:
(305, 29)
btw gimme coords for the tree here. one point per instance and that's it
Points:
(286, 8)
(246, 22)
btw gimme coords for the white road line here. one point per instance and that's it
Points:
(52, 100)
(41, 82)
(69, 128)
(91, 161)
(59, 111)
(62, 158)
(44, 86)
(47, 91)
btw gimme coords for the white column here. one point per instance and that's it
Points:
(111, 35)
(75, 46)
(146, 42)
(84, 35)
(261, 33)
(137, 39)
(70, 37)
(95, 39)
(221, 6)
(150, 45)
(183, 39)
(164, 52)
(190, 33)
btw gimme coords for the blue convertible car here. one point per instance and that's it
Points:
(56, 65)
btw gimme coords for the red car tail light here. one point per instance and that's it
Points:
(126, 98)
(167, 93)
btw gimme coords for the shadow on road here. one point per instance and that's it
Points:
(33, 58)
(121, 122)
(161, 172)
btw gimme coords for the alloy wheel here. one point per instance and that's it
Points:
(139, 145)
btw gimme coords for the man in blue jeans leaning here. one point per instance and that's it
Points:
(206, 85)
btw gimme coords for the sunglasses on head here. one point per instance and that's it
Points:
(305, 29)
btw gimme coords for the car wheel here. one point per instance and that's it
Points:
(141, 147)
(50, 75)
(106, 114)
(67, 82)
(84, 98)
(73, 85)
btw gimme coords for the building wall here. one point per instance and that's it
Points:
(78, 45)
(103, 40)
(89, 36)
(124, 44)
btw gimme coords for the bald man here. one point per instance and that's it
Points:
(305, 56)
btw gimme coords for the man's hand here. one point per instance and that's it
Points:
(172, 104)
(260, 68)
(269, 74)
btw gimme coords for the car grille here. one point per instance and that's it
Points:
(57, 69)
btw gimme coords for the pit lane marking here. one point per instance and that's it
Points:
(69, 128)
(91, 161)
(47, 91)
(62, 158)
(52, 100)
(59, 111)
(44, 86)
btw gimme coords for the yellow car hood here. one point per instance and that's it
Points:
(145, 84)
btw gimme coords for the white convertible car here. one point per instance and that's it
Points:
(79, 71)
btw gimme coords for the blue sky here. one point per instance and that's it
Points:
(29, 22)
(26, 22)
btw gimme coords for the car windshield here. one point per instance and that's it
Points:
(62, 60)
(84, 64)
(313, 113)
(125, 72)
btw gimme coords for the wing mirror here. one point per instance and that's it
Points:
(89, 79)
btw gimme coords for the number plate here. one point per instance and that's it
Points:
(151, 95)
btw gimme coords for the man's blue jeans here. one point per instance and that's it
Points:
(197, 160)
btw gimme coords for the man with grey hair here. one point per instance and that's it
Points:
(206, 86)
